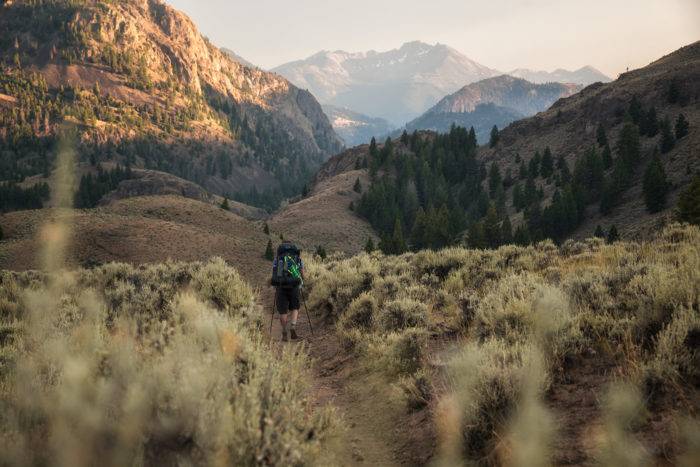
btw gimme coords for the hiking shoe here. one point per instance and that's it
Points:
(284, 336)
(293, 333)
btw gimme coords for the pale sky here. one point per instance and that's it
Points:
(503, 34)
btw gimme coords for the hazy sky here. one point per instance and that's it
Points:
(503, 34)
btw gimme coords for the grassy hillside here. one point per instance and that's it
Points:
(323, 217)
(651, 97)
(577, 168)
(138, 230)
(160, 365)
(532, 355)
(144, 88)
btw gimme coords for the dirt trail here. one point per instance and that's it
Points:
(370, 434)
(575, 402)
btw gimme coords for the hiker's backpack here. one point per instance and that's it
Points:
(286, 271)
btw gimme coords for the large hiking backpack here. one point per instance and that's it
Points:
(286, 271)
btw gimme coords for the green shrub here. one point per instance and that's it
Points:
(360, 313)
(109, 381)
(402, 313)
(223, 287)
(407, 351)
(417, 389)
(485, 382)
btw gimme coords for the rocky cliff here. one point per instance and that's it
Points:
(145, 87)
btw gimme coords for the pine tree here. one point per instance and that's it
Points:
(397, 240)
(500, 200)
(224, 205)
(613, 235)
(518, 196)
(475, 235)
(492, 228)
(373, 148)
(369, 246)
(493, 141)
(530, 194)
(2, 234)
(321, 252)
(635, 110)
(655, 186)
(547, 164)
(628, 147)
(599, 232)
(494, 180)
(564, 172)
(351, 206)
(534, 165)
(358, 186)
(601, 136)
(649, 125)
(668, 141)
(506, 231)
(269, 252)
(522, 171)
(681, 126)
(689, 203)
(266, 229)
(607, 157)
(521, 236)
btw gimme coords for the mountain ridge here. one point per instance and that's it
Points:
(568, 132)
(140, 80)
(493, 101)
(406, 80)
(584, 76)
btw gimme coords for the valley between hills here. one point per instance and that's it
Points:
(516, 293)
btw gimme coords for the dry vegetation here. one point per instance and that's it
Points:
(156, 365)
(523, 321)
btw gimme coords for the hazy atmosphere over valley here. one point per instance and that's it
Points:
(369, 233)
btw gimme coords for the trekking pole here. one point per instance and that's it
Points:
(303, 297)
(272, 316)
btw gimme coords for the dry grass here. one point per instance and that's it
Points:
(520, 317)
(153, 365)
(324, 217)
(146, 229)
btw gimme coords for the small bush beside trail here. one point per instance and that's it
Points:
(155, 365)
(522, 316)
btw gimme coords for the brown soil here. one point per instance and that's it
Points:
(324, 217)
(375, 426)
(575, 400)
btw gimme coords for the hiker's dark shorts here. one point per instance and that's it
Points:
(287, 299)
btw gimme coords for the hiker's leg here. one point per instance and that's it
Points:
(283, 321)
(294, 305)
(282, 308)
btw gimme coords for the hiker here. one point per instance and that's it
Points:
(288, 278)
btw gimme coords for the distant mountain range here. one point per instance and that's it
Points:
(397, 85)
(493, 101)
(584, 76)
(355, 128)
(401, 84)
